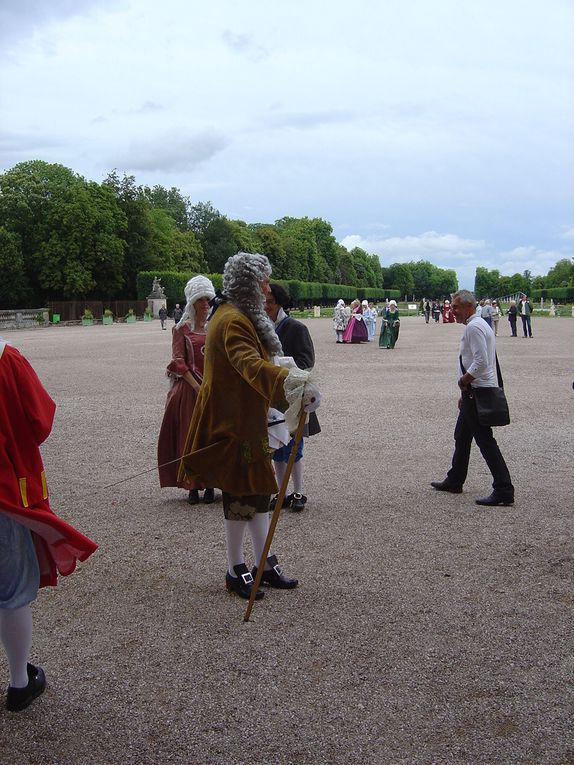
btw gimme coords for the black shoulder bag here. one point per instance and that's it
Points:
(491, 404)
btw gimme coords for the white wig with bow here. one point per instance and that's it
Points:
(197, 287)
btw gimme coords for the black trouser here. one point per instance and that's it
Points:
(512, 321)
(525, 324)
(467, 428)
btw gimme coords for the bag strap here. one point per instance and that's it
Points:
(498, 372)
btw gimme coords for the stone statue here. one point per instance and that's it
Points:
(156, 289)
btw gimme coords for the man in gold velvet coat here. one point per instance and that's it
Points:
(227, 444)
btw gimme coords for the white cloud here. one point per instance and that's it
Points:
(568, 234)
(243, 43)
(428, 246)
(22, 18)
(527, 258)
(173, 151)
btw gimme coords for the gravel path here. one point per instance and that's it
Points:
(425, 629)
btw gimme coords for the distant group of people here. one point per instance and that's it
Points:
(491, 311)
(163, 315)
(357, 322)
(435, 310)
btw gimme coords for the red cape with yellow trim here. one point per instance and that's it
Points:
(26, 416)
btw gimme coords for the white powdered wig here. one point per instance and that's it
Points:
(241, 277)
(197, 287)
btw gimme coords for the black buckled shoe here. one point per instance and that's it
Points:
(298, 502)
(495, 499)
(193, 497)
(446, 486)
(274, 577)
(287, 499)
(18, 699)
(208, 496)
(242, 584)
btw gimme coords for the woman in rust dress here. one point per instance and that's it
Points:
(185, 371)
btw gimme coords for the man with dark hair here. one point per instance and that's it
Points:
(478, 369)
(524, 310)
(296, 342)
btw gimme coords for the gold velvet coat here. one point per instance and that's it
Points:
(227, 444)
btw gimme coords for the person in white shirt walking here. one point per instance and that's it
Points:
(478, 368)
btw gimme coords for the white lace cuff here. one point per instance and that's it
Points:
(294, 386)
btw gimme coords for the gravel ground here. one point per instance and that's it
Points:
(425, 629)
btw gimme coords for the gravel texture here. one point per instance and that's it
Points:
(426, 630)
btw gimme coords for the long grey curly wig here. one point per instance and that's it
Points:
(241, 277)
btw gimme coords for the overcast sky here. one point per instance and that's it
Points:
(421, 129)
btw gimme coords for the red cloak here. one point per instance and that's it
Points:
(26, 417)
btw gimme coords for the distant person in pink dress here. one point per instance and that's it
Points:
(356, 331)
(185, 371)
(447, 314)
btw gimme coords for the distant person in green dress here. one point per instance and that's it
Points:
(390, 326)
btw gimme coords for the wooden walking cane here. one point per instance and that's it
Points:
(276, 512)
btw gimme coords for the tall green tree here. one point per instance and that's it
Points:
(269, 243)
(69, 230)
(138, 237)
(399, 277)
(14, 287)
(486, 283)
(561, 275)
(172, 201)
(200, 215)
(347, 272)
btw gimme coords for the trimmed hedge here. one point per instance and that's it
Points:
(301, 292)
(554, 293)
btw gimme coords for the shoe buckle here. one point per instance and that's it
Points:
(247, 577)
(277, 569)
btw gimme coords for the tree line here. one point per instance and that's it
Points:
(63, 237)
(558, 282)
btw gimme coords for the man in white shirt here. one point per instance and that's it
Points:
(478, 369)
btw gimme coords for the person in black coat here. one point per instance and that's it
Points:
(296, 342)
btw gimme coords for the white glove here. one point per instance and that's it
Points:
(311, 397)
(294, 386)
(288, 362)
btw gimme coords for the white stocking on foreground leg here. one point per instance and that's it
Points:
(258, 528)
(280, 470)
(16, 636)
(297, 476)
(234, 533)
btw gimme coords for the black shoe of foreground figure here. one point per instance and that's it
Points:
(495, 499)
(446, 486)
(274, 577)
(242, 584)
(18, 699)
(298, 502)
(208, 496)
(287, 499)
(193, 497)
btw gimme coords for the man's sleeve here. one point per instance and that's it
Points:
(477, 343)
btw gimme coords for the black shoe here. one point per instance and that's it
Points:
(298, 502)
(495, 499)
(274, 577)
(287, 499)
(193, 497)
(18, 699)
(242, 583)
(446, 486)
(208, 496)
